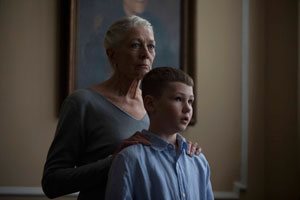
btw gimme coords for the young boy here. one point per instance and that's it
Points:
(162, 170)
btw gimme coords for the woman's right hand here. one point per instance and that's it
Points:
(137, 138)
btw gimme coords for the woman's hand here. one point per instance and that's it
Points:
(193, 149)
(137, 138)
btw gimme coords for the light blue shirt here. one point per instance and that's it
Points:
(158, 172)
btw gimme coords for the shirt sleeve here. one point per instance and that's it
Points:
(120, 184)
(62, 175)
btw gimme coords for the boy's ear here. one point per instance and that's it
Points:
(149, 102)
(110, 54)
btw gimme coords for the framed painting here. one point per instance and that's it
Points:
(173, 22)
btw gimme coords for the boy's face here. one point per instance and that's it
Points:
(173, 111)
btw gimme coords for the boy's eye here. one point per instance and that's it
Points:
(178, 99)
(191, 101)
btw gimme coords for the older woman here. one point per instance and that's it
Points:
(95, 121)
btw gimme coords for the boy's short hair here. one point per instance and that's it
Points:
(156, 80)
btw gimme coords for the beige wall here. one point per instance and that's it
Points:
(29, 88)
(273, 171)
(218, 127)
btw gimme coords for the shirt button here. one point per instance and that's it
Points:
(183, 195)
(177, 164)
(170, 147)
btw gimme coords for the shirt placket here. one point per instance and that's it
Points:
(179, 173)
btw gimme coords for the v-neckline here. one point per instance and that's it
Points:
(110, 102)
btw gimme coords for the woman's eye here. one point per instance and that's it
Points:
(151, 46)
(191, 101)
(135, 45)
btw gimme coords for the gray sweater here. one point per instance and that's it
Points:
(90, 128)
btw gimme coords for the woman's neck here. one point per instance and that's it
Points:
(122, 86)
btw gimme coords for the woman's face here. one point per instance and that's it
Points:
(134, 55)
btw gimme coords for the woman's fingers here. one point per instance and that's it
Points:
(140, 138)
(127, 143)
(189, 146)
(193, 149)
(122, 146)
(198, 150)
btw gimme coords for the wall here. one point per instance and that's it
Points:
(218, 128)
(256, 153)
(273, 170)
(281, 100)
(29, 88)
(298, 86)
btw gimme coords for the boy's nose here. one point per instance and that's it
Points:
(187, 108)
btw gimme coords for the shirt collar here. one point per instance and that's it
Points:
(160, 144)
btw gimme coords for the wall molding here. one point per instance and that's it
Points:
(38, 192)
(21, 191)
(25, 191)
(237, 186)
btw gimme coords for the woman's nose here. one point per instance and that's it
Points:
(144, 53)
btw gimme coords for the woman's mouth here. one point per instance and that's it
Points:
(142, 66)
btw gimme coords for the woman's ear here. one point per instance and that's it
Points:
(149, 103)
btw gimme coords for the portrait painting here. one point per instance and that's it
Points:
(172, 23)
(94, 18)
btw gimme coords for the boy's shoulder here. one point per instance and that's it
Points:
(201, 161)
(132, 152)
(201, 157)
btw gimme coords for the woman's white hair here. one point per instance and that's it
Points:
(116, 31)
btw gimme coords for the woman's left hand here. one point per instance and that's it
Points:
(193, 149)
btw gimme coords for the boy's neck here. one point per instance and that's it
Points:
(167, 136)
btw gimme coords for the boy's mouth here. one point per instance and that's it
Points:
(185, 120)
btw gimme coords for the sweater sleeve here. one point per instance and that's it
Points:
(62, 173)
